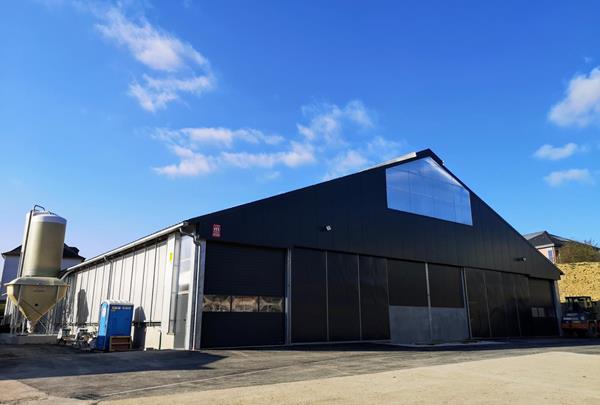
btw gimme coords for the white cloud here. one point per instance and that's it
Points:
(184, 143)
(557, 152)
(191, 164)
(558, 178)
(216, 136)
(345, 163)
(384, 149)
(297, 155)
(581, 105)
(326, 121)
(376, 150)
(321, 141)
(226, 136)
(155, 94)
(156, 49)
(184, 69)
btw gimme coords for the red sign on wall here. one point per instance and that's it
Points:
(216, 233)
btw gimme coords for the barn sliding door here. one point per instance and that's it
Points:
(244, 290)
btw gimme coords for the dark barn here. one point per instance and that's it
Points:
(403, 252)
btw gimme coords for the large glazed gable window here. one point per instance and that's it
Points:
(423, 187)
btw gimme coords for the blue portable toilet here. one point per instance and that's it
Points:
(114, 320)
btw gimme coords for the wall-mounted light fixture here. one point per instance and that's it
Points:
(327, 228)
(521, 259)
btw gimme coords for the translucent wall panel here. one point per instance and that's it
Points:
(117, 274)
(77, 286)
(82, 300)
(126, 278)
(105, 282)
(423, 187)
(137, 283)
(95, 285)
(158, 289)
(149, 276)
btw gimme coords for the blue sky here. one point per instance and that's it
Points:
(128, 117)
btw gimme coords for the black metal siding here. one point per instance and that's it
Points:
(541, 294)
(230, 329)
(374, 305)
(343, 297)
(478, 308)
(496, 304)
(356, 208)
(309, 296)
(243, 270)
(508, 301)
(445, 286)
(407, 283)
(524, 304)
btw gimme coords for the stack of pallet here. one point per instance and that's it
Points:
(119, 344)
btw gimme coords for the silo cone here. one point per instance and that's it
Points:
(38, 288)
(35, 296)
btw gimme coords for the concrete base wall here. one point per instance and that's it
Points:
(151, 337)
(155, 339)
(411, 325)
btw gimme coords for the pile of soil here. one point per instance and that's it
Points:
(580, 279)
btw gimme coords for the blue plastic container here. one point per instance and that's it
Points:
(114, 320)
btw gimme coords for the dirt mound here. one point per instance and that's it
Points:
(580, 279)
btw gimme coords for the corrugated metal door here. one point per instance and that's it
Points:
(244, 290)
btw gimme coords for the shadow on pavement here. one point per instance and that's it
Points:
(40, 361)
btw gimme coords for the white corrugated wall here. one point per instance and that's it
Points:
(139, 277)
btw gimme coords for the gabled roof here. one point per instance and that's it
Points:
(393, 162)
(546, 239)
(356, 204)
(69, 252)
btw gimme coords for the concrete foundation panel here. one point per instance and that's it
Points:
(409, 324)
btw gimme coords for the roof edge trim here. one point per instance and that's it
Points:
(124, 247)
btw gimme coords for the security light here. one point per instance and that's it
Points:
(327, 228)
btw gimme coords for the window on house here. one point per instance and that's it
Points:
(423, 187)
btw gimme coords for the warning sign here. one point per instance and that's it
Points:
(216, 232)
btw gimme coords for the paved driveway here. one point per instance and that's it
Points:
(65, 372)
